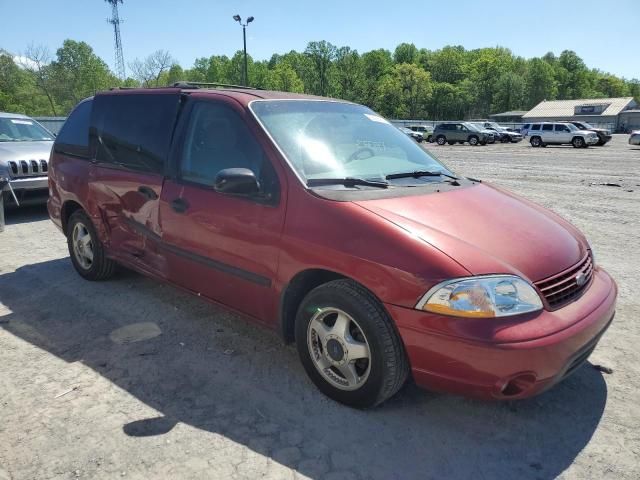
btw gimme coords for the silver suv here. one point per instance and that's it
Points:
(25, 146)
(560, 133)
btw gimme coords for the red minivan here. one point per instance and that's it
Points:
(321, 220)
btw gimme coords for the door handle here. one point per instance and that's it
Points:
(179, 205)
(147, 192)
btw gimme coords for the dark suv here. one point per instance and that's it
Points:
(319, 219)
(461, 132)
(604, 135)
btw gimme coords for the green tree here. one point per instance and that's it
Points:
(348, 74)
(405, 92)
(447, 65)
(405, 53)
(284, 78)
(77, 73)
(375, 65)
(509, 92)
(321, 55)
(540, 83)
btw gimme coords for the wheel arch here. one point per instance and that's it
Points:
(294, 292)
(68, 208)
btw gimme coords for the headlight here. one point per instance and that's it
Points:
(482, 297)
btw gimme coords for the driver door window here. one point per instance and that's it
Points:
(217, 139)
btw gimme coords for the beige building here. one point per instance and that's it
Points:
(608, 113)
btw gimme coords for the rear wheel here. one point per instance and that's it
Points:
(578, 142)
(473, 140)
(535, 142)
(441, 140)
(348, 345)
(86, 251)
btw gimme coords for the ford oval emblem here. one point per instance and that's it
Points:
(581, 279)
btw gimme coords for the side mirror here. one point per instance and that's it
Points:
(238, 181)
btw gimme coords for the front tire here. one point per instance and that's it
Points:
(578, 142)
(473, 140)
(85, 249)
(535, 142)
(441, 140)
(348, 345)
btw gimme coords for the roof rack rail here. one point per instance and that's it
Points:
(184, 84)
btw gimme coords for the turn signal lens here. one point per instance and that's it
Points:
(482, 297)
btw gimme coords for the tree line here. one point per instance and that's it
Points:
(450, 83)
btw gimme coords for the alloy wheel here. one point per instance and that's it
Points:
(82, 245)
(338, 348)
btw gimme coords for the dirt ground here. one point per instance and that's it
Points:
(204, 394)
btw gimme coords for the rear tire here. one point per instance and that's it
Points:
(85, 249)
(441, 140)
(347, 314)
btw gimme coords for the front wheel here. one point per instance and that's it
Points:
(441, 140)
(473, 140)
(86, 251)
(348, 345)
(578, 142)
(535, 142)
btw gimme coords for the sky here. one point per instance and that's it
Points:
(605, 33)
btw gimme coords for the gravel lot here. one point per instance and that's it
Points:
(213, 396)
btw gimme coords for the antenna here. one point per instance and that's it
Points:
(115, 21)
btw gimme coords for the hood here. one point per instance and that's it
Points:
(25, 151)
(487, 230)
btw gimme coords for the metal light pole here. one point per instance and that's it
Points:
(238, 19)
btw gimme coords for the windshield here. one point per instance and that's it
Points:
(22, 130)
(572, 127)
(587, 126)
(323, 139)
(473, 127)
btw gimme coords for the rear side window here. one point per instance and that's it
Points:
(535, 127)
(547, 127)
(133, 130)
(73, 138)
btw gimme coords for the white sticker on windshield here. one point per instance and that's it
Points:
(21, 122)
(375, 118)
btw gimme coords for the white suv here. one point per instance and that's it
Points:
(547, 133)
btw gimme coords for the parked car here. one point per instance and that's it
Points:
(634, 138)
(461, 132)
(425, 130)
(604, 135)
(500, 133)
(25, 146)
(561, 133)
(417, 136)
(321, 220)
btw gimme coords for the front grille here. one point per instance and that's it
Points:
(566, 286)
(28, 168)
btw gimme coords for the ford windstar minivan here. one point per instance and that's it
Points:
(321, 220)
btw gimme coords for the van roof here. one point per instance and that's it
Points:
(244, 95)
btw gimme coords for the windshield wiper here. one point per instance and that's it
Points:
(347, 182)
(418, 174)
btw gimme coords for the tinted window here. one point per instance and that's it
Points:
(73, 138)
(561, 128)
(547, 127)
(135, 130)
(216, 139)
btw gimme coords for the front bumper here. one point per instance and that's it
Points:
(506, 361)
(29, 190)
